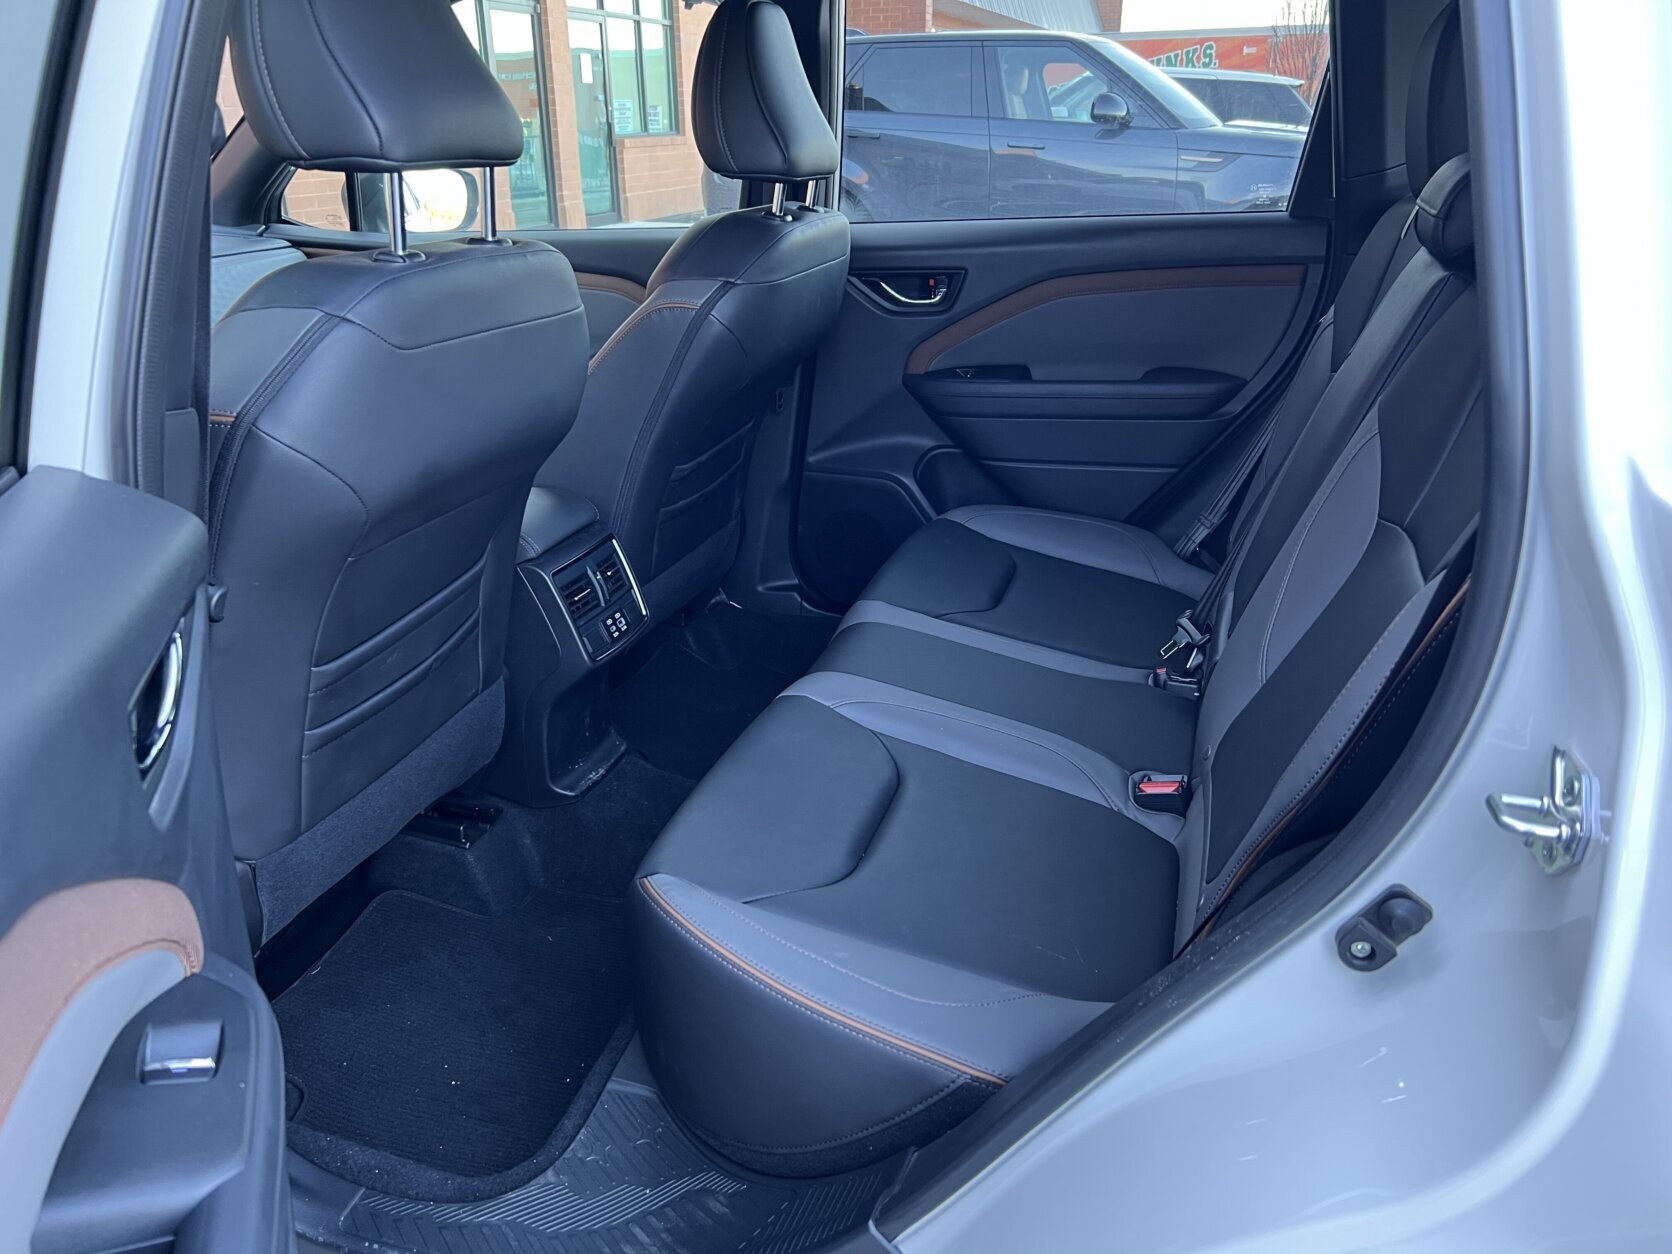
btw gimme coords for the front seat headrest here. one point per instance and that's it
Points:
(1445, 213)
(369, 85)
(753, 112)
(1436, 107)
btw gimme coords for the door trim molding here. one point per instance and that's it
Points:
(67, 941)
(1101, 283)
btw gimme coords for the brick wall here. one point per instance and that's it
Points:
(891, 17)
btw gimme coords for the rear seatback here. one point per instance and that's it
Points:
(1011, 579)
(912, 878)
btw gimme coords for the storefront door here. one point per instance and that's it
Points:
(592, 120)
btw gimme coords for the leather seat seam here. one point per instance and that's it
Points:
(1325, 495)
(313, 16)
(842, 1020)
(926, 1001)
(1132, 541)
(1109, 801)
(460, 338)
(638, 316)
(267, 79)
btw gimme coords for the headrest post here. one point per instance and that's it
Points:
(490, 216)
(777, 209)
(394, 188)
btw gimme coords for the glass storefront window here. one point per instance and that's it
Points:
(512, 38)
(658, 79)
(626, 95)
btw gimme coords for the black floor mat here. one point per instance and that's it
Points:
(704, 683)
(631, 1183)
(450, 1039)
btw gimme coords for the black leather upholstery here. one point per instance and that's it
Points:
(751, 110)
(550, 518)
(1436, 105)
(925, 867)
(1445, 212)
(369, 85)
(379, 421)
(675, 396)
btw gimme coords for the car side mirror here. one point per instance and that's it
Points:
(1111, 110)
(440, 200)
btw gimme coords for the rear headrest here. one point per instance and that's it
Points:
(369, 85)
(1445, 213)
(1436, 109)
(752, 109)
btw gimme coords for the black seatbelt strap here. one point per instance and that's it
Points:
(1213, 514)
(1408, 686)
(1217, 509)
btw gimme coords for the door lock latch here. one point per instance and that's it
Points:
(1558, 826)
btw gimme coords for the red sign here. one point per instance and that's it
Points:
(1207, 52)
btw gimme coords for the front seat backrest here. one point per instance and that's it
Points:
(380, 419)
(675, 396)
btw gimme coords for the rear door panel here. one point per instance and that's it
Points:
(119, 897)
(1077, 365)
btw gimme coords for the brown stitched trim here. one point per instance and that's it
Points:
(639, 315)
(65, 941)
(1178, 278)
(801, 999)
(222, 418)
(635, 292)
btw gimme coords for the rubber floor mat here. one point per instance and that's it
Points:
(432, 1035)
(632, 1181)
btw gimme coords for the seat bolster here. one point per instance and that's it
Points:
(1095, 542)
(737, 990)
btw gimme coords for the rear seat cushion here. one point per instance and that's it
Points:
(923, 949)
(1089, 587)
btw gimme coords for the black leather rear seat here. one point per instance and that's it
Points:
(923, 867)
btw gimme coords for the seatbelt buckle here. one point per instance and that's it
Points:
(1185, 632)
(1163, 794)
(1186, 681)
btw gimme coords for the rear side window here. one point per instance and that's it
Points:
(602, 89)
(1074, 125)
(914, 78)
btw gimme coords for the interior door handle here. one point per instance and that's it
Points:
(936, 295)
(159, 704)
(1029, 145)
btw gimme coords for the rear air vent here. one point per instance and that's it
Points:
(580, 598)
(611, 576)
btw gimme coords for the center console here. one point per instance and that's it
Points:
(575, 605)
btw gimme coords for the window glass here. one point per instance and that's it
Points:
(317, 198)
(516, 61)
(602, 89)
(226, 94)
(1047, 84)
(983, 120)
(914, 78)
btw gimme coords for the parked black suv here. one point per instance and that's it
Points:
(1010, 124)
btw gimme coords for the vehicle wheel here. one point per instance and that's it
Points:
(853, 208)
